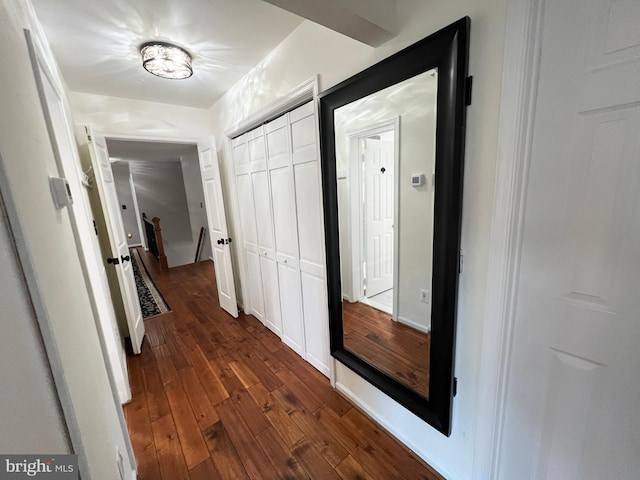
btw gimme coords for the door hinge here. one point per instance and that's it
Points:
(86, 130)
(461, 262)
(468, 87)
(455, 386)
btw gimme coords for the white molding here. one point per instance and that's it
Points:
(297, 96)
(414, 325)
(517, 108)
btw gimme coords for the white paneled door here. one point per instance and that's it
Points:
(379, 213)
(573, 393)
(306, 174)
(286, 231)
(120, 259)
(218, 233)
(280, 210)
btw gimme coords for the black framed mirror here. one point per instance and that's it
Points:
(392, 144)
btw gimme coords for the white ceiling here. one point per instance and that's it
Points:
(96, 44)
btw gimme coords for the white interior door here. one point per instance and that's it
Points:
(218, 234)
(379, 209)
(253, 296)
(286, 231)
(573, 391)
(88, 241)
(117, 238)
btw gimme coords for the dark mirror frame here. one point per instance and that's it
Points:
(447, 50)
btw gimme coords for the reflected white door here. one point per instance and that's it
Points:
(218, 233)
(379, 208)
(573, 398)
(117, 238)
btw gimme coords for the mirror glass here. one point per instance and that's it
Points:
(392, 150)
(385, 164)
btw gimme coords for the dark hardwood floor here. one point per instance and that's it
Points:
(221, 398)
(401, 351)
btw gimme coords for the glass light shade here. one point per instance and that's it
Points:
(166, 60)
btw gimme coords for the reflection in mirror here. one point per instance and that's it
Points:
(385, 163)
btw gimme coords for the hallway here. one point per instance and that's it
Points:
(217, 397)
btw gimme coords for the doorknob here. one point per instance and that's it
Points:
(113, 261)
(220, 242)
(125, 259)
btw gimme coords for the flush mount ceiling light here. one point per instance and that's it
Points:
(166, 60)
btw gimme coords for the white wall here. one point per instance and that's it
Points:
(29, 398)
(47, 239)
(312, 49)
(125, 197)
(160, 192)
(195, 202)
(123, 116)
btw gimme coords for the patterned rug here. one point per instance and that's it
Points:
(151, 300)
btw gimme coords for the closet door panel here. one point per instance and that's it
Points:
(277, 142)
(254, 278)
(262, 204)
(257, 154)
(270, 287)
(291, 304)
(284, 212)
(304, 134)
(247, 212)
(309, 213)
(316, 321)
(240, 155)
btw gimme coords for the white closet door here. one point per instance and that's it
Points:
(308, 201)
(253, 291)
(286, 234)
(264, 224)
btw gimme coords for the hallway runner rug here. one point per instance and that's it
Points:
(151, 300)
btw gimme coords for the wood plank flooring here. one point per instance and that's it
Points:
(401, 351)
(221, 398)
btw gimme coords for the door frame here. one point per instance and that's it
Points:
(521, 65)
(355, 218)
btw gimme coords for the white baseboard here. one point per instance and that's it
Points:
(413, 324)
(389, 427)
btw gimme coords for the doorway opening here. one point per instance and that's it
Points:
(371, 200)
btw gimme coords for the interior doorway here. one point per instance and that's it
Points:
(373, 206)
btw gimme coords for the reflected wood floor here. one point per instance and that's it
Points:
(222, 398)
(394, 347)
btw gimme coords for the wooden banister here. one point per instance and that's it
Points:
(154, 240)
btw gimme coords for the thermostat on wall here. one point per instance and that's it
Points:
(61, 192)
(417, 179)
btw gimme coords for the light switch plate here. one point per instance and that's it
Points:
(61, 192)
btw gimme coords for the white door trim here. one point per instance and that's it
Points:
(517, 108)
(304, 92)
(355, 220)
